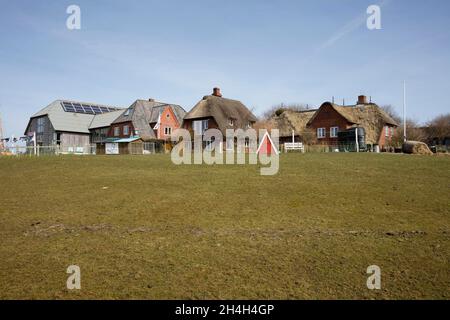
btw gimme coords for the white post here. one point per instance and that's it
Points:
(293, 138)
(404, 111)
(356, 136)
(34, 143)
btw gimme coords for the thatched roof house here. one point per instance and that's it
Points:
(331, 118)
(290, 120)
(214, 111)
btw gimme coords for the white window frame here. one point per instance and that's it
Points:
(321, 133)
(334, 132)
(230, 121)
(167, 131)
(126, 130)
(386, 131)
(229, 145)
(116, 131)
(201, 125)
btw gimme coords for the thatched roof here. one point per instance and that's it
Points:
(369, 116)
(292, 120)
(222, 109)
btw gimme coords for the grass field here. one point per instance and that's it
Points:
(141, 227)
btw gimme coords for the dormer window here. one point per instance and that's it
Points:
(127, 112)
(230, 121)
(249, 125)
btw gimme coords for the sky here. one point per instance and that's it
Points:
(259, 52)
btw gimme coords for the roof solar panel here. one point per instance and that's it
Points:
(85, 108)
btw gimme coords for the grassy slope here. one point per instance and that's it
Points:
(166, 231)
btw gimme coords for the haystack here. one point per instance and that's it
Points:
(416, 147)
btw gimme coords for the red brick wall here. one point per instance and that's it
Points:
(326, 118)
(168, 120)
(384, 140)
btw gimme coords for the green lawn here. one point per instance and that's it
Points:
(141, 227)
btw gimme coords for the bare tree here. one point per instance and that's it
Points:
(438, 128)
(390, 110)
(414, 132)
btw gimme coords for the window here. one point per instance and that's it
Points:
(249, 125)
(167, 116)
(230, 144)
(200, 126)
(40, 125)
(126, 130)
(167, 130)
(386, 131)
(127, 112)
(116, 131)
(321, 133)
(334, 132)
(230, 122)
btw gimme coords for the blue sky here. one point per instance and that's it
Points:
(259, 52)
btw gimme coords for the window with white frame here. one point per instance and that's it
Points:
(230, 121)
(200, 126)
(230, 144)
(116, 131)
(321, 133)
(386, 131)
(126, 130)
(334, 132)
(167, 130)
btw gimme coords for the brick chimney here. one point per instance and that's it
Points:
(362, 99)
(216, 92)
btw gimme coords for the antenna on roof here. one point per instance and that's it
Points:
(332, 99)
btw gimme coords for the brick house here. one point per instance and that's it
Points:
(331, 118)
(148, 119)
(143, 121)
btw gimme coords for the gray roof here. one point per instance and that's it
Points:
(222, 109)
(105, 119)
(143, 112)
(71, 121)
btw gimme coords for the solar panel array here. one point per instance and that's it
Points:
(86, 108)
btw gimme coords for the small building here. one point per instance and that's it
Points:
(66, 124)
(331, 118)
(292, 126)
(216, 112)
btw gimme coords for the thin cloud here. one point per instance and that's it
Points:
(351, 26)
